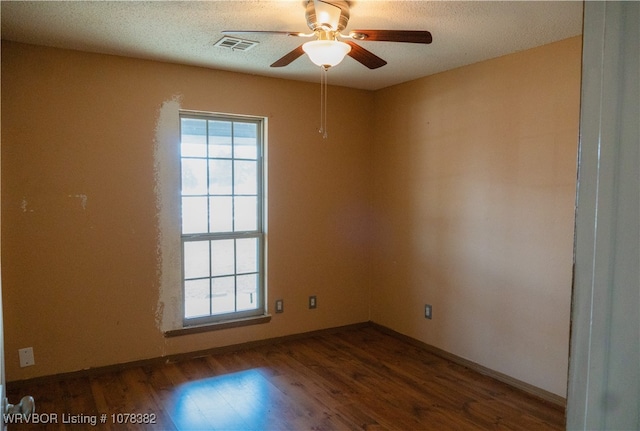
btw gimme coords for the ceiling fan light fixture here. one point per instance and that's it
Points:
(326, 53)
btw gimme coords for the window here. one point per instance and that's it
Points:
(222, 217)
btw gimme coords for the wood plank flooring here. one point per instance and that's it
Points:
(357, 378)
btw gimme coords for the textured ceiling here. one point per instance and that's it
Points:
(185, 32)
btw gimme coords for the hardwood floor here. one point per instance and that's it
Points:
(358, 378)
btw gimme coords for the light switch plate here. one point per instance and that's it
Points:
(428, 311)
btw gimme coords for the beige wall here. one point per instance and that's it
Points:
(474, 188)
(80, 234)
(455, 190)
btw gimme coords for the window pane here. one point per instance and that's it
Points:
(194, 215)
(246, 178)
(245, 149)
(221, 217)
(245, 137)
(247, 291)
(196, 259)
(220, 139)
(194, 177)
(196, 298)
(222, 261)
(246, 211)
(194, 137)
(221, 177)
(221, 193)
(247, 255)
(223, 298)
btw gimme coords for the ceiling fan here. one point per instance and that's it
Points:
(326, 19)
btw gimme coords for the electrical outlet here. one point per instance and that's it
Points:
(428, 311)
(26, 357)
(312, 302)
(279, 306)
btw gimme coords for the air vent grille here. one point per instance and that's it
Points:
(235, 44)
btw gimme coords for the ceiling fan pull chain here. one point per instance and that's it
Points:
(321, 128)
(323, 101)
(325, 72)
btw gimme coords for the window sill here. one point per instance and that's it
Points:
(227, 324)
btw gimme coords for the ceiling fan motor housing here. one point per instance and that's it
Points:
(312, 16)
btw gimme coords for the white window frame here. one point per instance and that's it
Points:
(210, 237)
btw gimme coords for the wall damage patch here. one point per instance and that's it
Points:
(168, 313)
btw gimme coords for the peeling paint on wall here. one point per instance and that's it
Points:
(168, 314)
(83, 200)
(24, 205)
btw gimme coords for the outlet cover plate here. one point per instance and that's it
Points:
(26, 357)
(279, 306)
(313, 303)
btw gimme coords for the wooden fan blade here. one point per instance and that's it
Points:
(288, 58)
(286, 33)
(364, 56)
(411, 36)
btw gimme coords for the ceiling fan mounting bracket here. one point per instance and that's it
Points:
(317, 11)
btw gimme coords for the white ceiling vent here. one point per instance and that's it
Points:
(235, 44)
